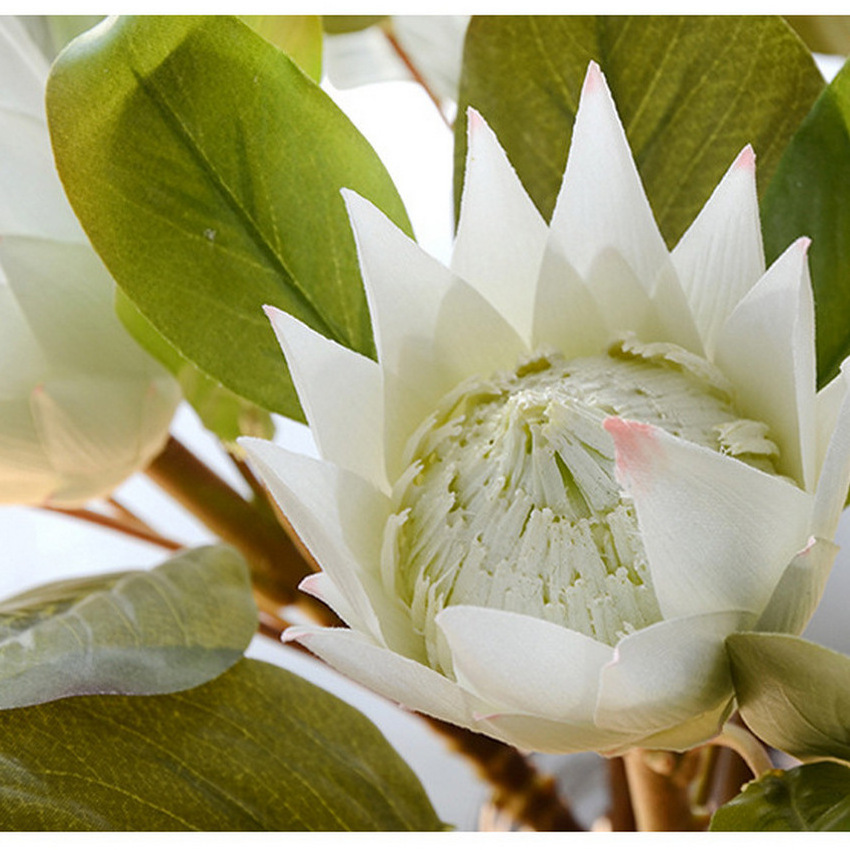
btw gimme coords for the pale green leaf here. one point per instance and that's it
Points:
(808, 196)
(256, 749)
(299, 36)
(140, 632)
(206, 168)
(793, 694)
(811, 798)
(691, 91)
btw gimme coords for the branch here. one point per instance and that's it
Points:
(658, 782)
(115, 524)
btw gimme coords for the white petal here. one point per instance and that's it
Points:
(827, 407)
(831, 493)
(342, 394)
(501, 235)
(566, 315)
(717, 533)
(721, 256)
(684, 736)
(340, 518)
(322, 587)
(524, 664)
(540, 734)
(624, 302)
(398, 678)
(602, 203)
(432, 329)
(767, 349)
(23, 70)
(675, 321)
(799, 590)
(668, 673)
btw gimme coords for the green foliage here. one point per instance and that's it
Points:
(256, 749)
(823, 33)
(206, 169)
(299, 36)
(691, 91)
(793, 694)
(808, 196)
(139, 632)
(812, 798)
(223, 412)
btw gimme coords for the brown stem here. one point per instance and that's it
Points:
(659, 791)
(276, 564)
(124, 513)
(621, 814)
(415, 73)
(116, 524)
(530, 797)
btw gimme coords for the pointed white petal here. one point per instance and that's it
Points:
(668, 673)
(340, 518)
(322, 587)
(342, 394)
(717, 533)
(398, 678)
(675, 322)
(524, 664)
(827, 406)
(501, 235)
(622, 299)
(602, 203)
(799, 590)
(566, 315)
(767, 349)
(831, 493)
(432, 329)
(721, 256)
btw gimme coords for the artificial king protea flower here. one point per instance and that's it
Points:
(580, 463)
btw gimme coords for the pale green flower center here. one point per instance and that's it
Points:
(510, 499)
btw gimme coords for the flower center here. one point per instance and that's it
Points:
(510, 500)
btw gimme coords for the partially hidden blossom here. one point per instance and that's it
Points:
(580, 462)
(82, 406)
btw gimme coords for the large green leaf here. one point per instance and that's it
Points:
(206, 169)
(139, 632)
(691, 91)
(812, 798)
(256, 749)
(823, 33)
(810, 196)
(793, 694)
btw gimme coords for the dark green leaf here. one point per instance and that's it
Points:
(336, 24)
(691, 91)
(299, 36)
(793, 694)
(812, 798)
(225, 414)
(206, 169)
(139, 632)
(256, 749)
(808, 196)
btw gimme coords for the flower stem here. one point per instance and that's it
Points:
(416, 74)
(659, 791)
(620, 815)
(116, 524)
(747, 746)
(528, 796)
(276, 564)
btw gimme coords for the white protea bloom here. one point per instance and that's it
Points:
(580, 462)
(82, 407)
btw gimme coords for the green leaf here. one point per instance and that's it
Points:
(793, 694)
(337, 24)
(299, 36)
(223, 412)
(139, 632)
(811, 798)
(808, 196)
(691, 91)
(206, 169)
(256, 749)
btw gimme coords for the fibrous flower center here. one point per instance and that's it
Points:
(510, 499)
